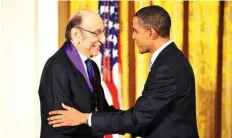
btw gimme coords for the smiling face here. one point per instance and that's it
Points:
(95, 38)
(89, 36)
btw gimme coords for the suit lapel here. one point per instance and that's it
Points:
(169, 47)
(159, 57)
(74, 56)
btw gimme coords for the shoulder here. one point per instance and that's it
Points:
(56, 62)
(174, 59)
(161, 71)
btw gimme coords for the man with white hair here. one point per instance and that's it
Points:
(72, 78)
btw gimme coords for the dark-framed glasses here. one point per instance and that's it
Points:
(96, 33)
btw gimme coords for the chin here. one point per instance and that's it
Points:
(144, 52)
(94, 54)
(141, 51)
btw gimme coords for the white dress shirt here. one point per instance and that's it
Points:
(83, 59)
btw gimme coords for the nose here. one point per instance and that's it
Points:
(133, 35)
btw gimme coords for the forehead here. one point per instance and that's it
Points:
(94, 23)
(137, 23)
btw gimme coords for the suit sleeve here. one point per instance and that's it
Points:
(159, 91)
(54, 90)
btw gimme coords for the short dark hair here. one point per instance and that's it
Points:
(75, 21)
(157, 18)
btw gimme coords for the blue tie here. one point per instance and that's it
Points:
(90, 72)
(92, 81)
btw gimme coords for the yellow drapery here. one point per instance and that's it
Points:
(226, 106)
(208, 50)
(203, 44)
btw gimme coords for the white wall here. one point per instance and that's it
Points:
(28, 37)
(1, 71)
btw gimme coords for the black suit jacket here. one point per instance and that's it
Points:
(166, 108)
(60, 83)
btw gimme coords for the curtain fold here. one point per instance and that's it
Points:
(203, 46)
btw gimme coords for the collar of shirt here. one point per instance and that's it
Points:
(157, 52)
(83, 59)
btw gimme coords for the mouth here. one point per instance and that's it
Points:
(96, 47)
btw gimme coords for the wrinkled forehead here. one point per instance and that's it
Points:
(93, 23)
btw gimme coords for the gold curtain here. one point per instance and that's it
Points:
(203, 47)
(203, 31)
(63, 13)
(226, 106)
(83, 4)
(124, 44)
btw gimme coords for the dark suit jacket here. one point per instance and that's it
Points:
(62, 82)
(166, 108)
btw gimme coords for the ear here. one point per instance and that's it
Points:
(153, 34)
(75, 34)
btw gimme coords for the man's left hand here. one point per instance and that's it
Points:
(68, 117)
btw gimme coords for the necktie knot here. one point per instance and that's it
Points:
(88, 63)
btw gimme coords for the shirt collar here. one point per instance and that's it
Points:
(157, 52)
(83, 58)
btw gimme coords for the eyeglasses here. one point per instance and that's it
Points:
(96, 34)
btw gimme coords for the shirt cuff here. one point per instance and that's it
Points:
(89, 119)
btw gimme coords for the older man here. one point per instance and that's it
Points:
(71, 77)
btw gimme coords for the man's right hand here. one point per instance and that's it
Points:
(68, 117)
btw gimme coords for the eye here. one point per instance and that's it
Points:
(98, 33)
(135, 31)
